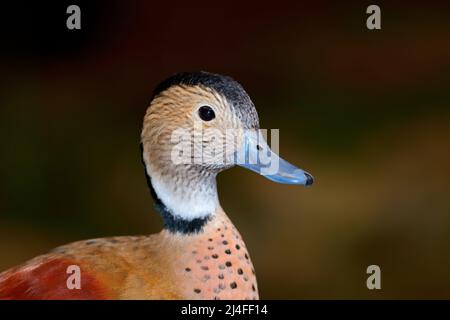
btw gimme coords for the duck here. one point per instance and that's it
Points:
(199, 253)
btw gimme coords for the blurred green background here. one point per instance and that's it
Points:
(366, 112)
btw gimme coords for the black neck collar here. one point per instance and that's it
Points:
(172, 223)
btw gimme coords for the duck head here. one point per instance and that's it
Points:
(197, 125)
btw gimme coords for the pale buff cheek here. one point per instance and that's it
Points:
(220, 138)
(219, 267)
(176, 108)
(217, 264)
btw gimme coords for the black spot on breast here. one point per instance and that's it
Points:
(205, 268)
(228, 264)
(253, 287)
(188, 269)
(215, 256)
(228, 251)
(239, 271)
(238, 247)
(210, 248)
(221, 276)
(225, 242)
(233, 285)
(197, 291)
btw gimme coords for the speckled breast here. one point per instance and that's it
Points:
(218, 265)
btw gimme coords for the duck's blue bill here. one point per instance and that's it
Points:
(256, 155)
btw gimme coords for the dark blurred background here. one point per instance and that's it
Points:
(366, 112)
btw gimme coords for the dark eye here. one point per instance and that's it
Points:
(206, 113)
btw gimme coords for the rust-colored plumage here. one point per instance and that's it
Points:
(199, 254)
(45, 278)
(214, 264)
